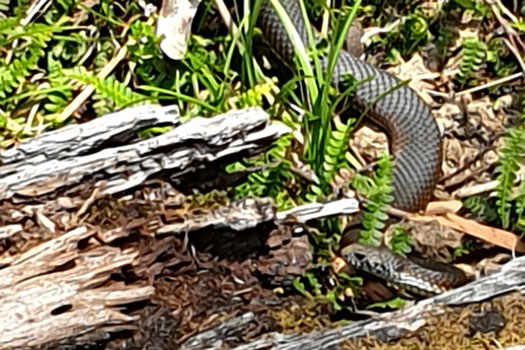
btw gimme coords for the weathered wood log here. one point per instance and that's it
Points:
(182, 150)
(215, 337)
(392, 325)
(40, 302)
(63, 289)
(76, 139)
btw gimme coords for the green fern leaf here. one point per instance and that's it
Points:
(335, 149)
(481, 208)
(14, 74)
(377, 190)
(110, 88)
(509, 162)
(474, 55)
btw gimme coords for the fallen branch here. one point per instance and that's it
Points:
(393, 325)
(184, 149)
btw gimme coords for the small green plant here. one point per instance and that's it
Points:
(411, 34)
(395, 303)
(511, 156)
(336, 148)
(118, 93)
(476, 6)
(310, 287)
(401, 242)
(500, 58)
(474, 54)
(445, 35)
(377, 190)
(482, 208)
(323, 146)
(272, 180)
(507, 209)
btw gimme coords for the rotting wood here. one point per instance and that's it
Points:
(392, 325)
(183, 150)
(41, 304)
(62, 289)
(37, 284)
(78, 139)
(217, 335)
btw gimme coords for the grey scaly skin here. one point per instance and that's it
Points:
(403, 273)
(414, 136)
(415, 143)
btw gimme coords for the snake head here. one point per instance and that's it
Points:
(365, 258)
(378, 261)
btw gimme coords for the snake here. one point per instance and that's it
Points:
(420, 277)
(414, 141)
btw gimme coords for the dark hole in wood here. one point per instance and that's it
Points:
(62, 309)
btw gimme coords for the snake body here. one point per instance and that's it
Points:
(429, 279)
(414, 136)
(415, 143)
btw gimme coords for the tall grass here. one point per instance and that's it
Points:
(320, 102)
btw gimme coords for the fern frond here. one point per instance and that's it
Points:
(335, 148)
(520, 207)
(377, 190)
(520, 196)
(481, 208)
(35, 33)
(113, 89)
(510, 156)
(14, 74)
(57, 100)
(401, 242)
(7, 24)
(414, 32)
(4, 7)
(270, 181)
(254, 96)
(35, 38)
(474, 55)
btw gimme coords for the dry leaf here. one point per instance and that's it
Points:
(495, 236)
(418, 74)
(443, 207)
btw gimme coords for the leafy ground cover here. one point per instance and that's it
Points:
(78, 60)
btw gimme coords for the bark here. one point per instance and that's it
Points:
(63, 289)
(66, 158)
(393, 325)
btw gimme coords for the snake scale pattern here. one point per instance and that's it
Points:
(414, 136)
(415, 143)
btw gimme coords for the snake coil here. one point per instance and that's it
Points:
(414, 136)
(415, 143)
